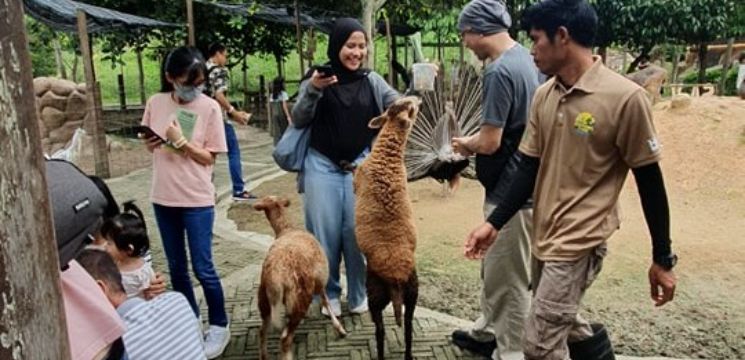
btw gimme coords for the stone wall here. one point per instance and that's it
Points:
(62, 109)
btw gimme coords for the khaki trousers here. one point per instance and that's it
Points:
(558, 290)
(505, 295)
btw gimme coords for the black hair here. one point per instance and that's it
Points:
(215, 48)
(128, 231)
(278, 85)
(100, 266)
(181, 61)
(577, 16)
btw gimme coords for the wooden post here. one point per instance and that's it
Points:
(190, 20)
(32, 316)
(141, 75)
(122, 91)
(461, 54)
(299, 35)
(244, 68)
(262, 99)
(100, 152)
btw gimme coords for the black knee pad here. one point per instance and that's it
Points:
(596, 347)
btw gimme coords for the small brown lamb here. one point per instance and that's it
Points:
(294, 270)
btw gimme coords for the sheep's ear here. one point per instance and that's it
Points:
(377, 122)
(284, 202)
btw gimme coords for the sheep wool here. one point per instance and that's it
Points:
(384, 227)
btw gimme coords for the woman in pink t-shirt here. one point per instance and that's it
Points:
(190, 135)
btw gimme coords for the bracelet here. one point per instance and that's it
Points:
(178, 144)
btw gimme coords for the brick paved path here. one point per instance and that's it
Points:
(316, 338)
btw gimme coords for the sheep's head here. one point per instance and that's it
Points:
(268, 203)
(400, 114)
(273, 207)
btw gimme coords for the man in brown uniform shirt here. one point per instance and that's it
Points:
(587, 127)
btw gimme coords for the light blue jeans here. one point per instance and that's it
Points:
(329, 215)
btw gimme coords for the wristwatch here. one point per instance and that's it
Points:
(667, 262)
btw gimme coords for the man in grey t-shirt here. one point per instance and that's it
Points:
(510, 79)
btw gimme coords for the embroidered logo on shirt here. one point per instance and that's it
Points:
(654, 145)
(584, 124)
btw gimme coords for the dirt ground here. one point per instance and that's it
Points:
(704, 168)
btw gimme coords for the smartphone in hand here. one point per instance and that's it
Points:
(147, 132)
(325, 70)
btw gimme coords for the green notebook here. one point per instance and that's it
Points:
(187, 120)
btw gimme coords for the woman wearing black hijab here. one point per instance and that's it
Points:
(338, 105)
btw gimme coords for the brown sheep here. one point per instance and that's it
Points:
(294, 270)
(383, 221)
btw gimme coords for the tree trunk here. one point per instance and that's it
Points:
(278, 61)
(32, 320)
(676, 65)
(725, 66)
(369, 9)
(635, 63)
(391, 46)
(61, 70)
(702, 48)
(141, 76)
(192, 40)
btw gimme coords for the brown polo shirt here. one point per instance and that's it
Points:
(587, 137)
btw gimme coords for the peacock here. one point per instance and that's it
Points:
(454, 109)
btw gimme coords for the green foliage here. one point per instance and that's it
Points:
(39, 41)
(701, 21)
(713, 76)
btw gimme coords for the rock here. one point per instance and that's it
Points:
(680, 101)
(50, 99)
(42, 85)
(63, 134)
(62, 87)
(52, 117)
(81, 88)
(77, 106)
(651, 79)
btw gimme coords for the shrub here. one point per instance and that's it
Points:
(713, 74)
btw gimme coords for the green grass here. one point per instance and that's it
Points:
(258, 65)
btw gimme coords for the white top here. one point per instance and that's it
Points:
(137, 280)
(282, 97)
(740, 76)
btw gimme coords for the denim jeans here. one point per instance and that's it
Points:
(234, 159)
(196, 223)
(329, 215)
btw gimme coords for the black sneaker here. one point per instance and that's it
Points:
(465, 341)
